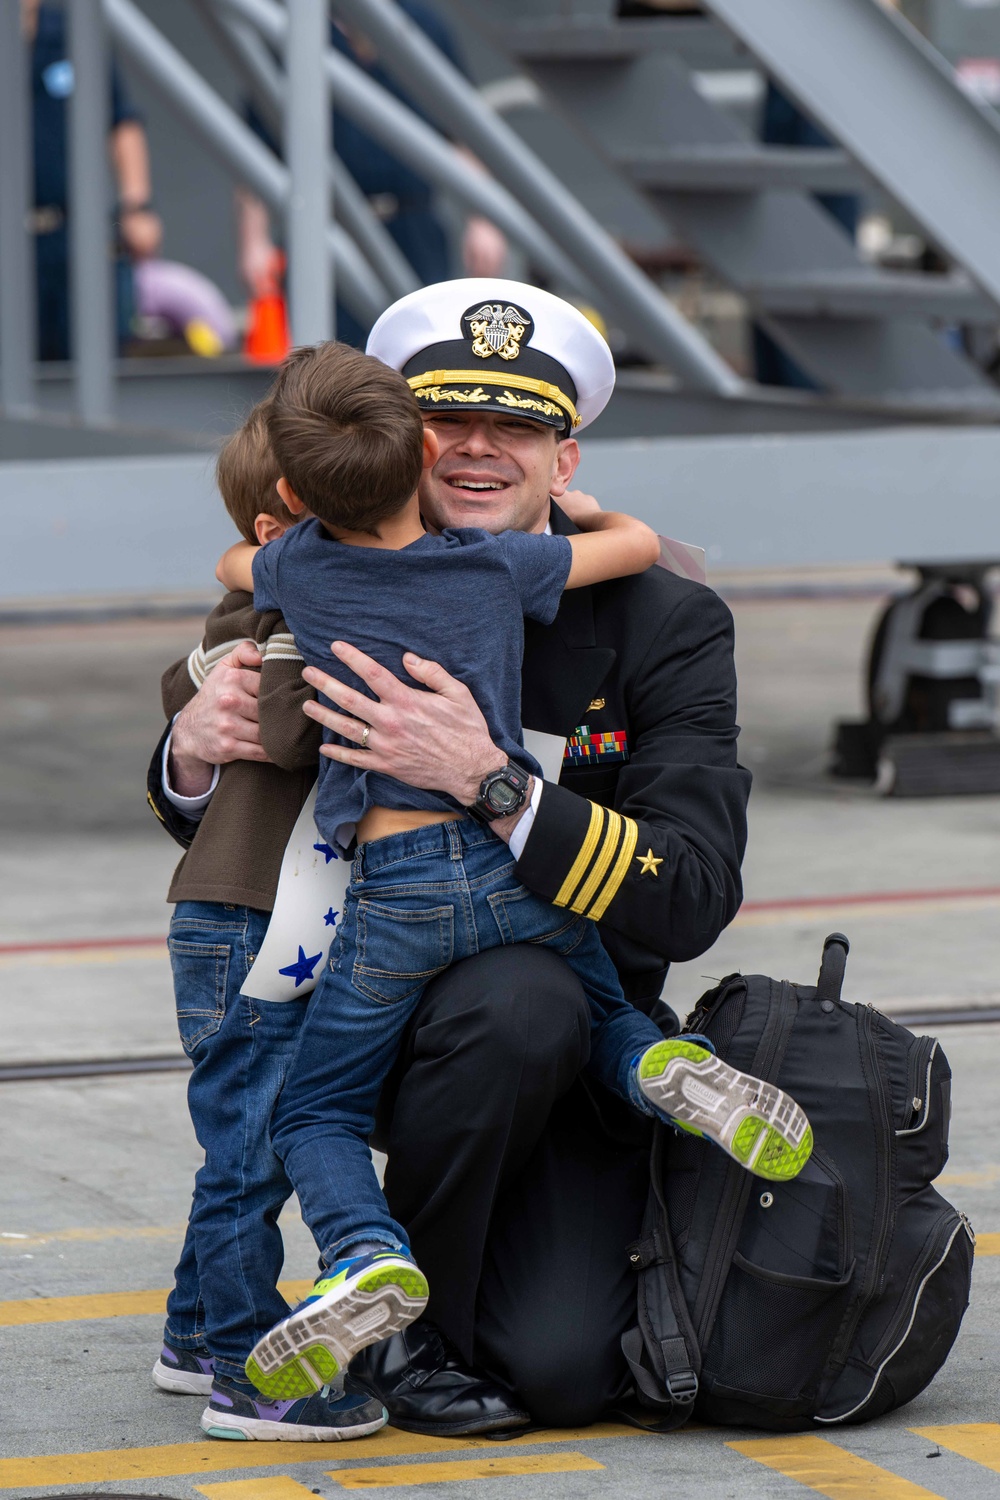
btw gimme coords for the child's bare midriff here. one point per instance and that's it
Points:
(381, 822)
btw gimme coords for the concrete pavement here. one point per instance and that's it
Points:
(96, 1173)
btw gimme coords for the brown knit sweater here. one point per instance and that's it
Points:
(237, 851)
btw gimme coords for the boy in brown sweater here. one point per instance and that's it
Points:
(225, 1289)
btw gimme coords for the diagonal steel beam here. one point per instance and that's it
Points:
(249, 53)
(235, 144)
(650, 319)
(407, 135)
(872, 81)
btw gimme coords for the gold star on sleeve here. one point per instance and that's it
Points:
(649, 862)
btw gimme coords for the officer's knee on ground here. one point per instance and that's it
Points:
(559, 1388)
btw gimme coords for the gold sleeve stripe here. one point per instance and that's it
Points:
(619, 872)
(149, 799)
(599, 868)
(582, 862)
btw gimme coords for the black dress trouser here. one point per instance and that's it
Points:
(519, 1195)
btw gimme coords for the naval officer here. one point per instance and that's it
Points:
(520, 1183)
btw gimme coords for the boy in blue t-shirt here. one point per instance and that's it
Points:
(431, 883)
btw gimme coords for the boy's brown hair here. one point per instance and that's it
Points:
(347, 435)
(247, 472)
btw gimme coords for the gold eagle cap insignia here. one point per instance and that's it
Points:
(497, 330)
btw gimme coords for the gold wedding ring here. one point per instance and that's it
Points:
(364, 737)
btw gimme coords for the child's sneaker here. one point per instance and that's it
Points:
(184, 1372)
(758, 1125)
(363, 1298)
(232, 1413)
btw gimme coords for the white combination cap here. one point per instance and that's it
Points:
(486, 344)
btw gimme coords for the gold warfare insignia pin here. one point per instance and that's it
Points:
(498, 329)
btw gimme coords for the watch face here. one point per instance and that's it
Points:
(502, 796)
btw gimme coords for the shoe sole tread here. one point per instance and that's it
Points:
(754, 1122)
(309, 1348)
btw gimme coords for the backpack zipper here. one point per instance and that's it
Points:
(920, 1105)
(884, 1147)
(956, 1226)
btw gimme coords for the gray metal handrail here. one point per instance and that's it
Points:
(245, 48)
(402, 132)
(236, 145)
(870, 79)
(650, 319)
(17, 283)
(92, 305)
(308, 141)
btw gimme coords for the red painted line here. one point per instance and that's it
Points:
(876, 898)
(793, 903)
(80, 945)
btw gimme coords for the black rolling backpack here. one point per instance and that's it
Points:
(831, 1298)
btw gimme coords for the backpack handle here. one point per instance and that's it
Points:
(831, 970)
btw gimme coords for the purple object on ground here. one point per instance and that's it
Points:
(180, 295)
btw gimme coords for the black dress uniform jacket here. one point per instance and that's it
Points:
(649, 847)
(521, 1187)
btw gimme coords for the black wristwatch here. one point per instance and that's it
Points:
(501, 793)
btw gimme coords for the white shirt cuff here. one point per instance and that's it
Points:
(192, 807)
(519, 836)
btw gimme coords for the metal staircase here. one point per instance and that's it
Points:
(627, 89)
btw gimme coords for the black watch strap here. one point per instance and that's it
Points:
(502, 793)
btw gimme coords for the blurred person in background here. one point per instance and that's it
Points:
(401, 199)
(138, 227)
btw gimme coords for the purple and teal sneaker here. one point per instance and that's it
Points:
(320, 1418)
(361, 1299)
(183, 1371)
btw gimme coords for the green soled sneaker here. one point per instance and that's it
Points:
(363, 1299)
(758, 1125)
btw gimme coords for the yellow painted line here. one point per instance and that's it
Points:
(979, 1441)
(987, 1244)
(470, 1468)
(209, 1456)
(17, 1314)
(984, 1177)
(274, 1487)
(821, 1466)
(9, 1240)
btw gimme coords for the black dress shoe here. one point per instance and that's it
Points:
(426, 1386)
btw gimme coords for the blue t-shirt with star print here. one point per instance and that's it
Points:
(458, 598)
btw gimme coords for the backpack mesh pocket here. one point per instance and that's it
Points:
(773, 1332)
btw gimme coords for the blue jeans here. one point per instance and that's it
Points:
(225, 1293)
(418, 902)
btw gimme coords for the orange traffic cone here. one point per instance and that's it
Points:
(267, 337)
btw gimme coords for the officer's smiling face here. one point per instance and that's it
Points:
(495, 471)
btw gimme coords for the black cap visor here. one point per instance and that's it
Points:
(446, 377)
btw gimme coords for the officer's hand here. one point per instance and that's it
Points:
(220, 724)
(437, 740)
